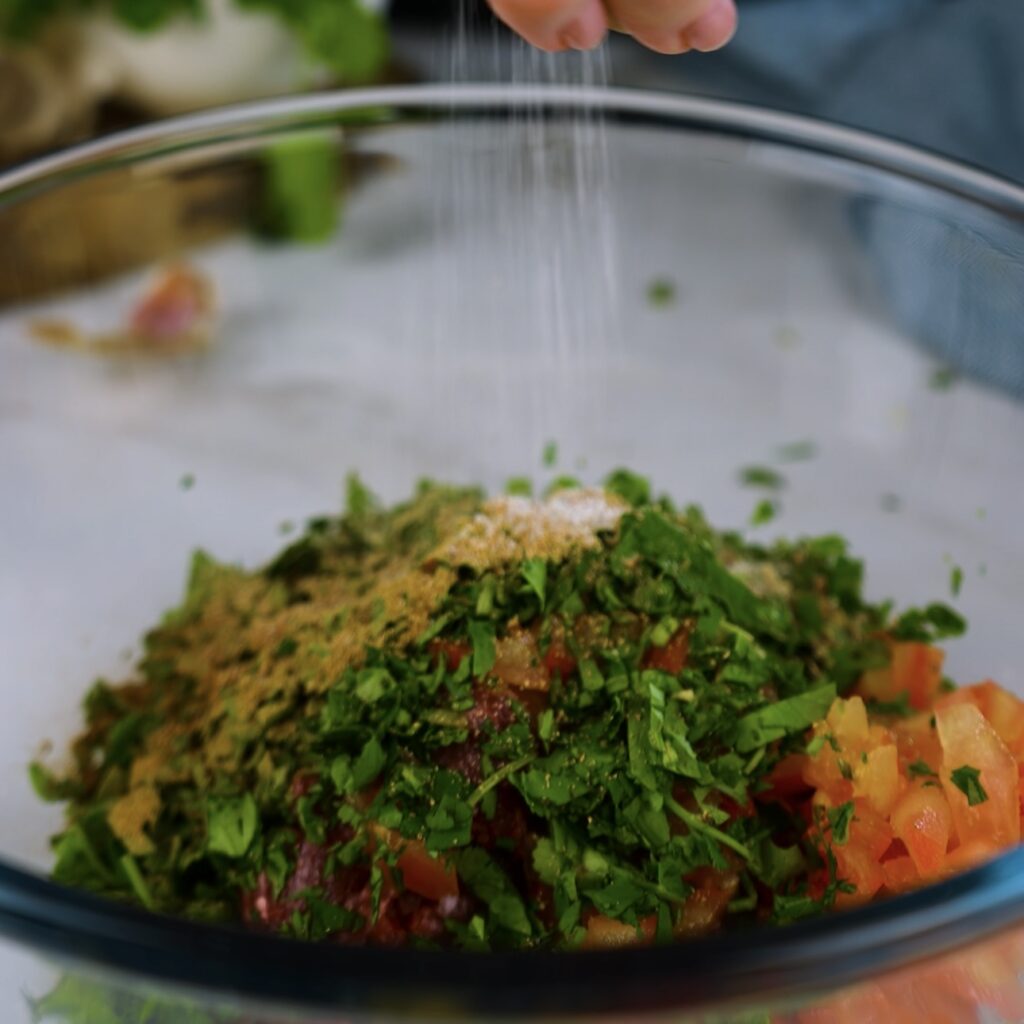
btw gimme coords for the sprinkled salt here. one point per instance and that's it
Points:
(513, 528)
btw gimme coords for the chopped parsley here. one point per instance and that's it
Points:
(764, 512)
(839, 819)
(797, 451)
(968, 780)
(942, 378)
(661, 292)
(521, 726)
(762, 476)
(900, 707)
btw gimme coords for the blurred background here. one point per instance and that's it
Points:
(944, 74)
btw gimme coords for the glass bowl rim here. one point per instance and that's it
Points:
(763, 964)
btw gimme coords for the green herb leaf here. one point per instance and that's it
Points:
(968, 781)
(481, 636)
(774, 721)
(762, 476)
(764, 512)
(634, 489)
(231, 824)
(919, 769)
(491, 885)
(368, 765)
(535, 572)
(661, 292)
(797, 451)
(839, 819)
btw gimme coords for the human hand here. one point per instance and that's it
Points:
(667, 26)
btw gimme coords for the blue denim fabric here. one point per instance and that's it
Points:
(947, 75)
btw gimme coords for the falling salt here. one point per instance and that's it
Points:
(526, 303)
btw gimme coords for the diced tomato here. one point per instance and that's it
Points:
(558, 661)
(923, 821)
(900, 874)
(918, 742)
(431, 877)
(608, 933)
(856, 865)
(915, 669)
(706, 905)
(876, 777)
(1003, 710)
(787, 779)
(671, 658)
(869, 830)
(968, 740)
(970, 854)
(427, 876)
(828, 770)
(452, 651)
(848, 720)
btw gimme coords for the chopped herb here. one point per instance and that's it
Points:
(762, 476)
(797, 451)
(550, 454)
(481, 637)
(535, 572)
(899, 707)
(519, 486)
(783, 718)
(943, 378)
(561, 483)
(920, 770)
(956, 579)
(629, 486)
(187, 482)
(968, 781)
(231, 825)
(839, 819)
(661, 292)
(764, 512)
(286, 648)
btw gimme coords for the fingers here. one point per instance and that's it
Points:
(667, 26)
(555, 24)
(675, 26)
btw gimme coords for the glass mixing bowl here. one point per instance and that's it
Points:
(676, 285)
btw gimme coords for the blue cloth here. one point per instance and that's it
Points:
(947, 75)
(944, 74)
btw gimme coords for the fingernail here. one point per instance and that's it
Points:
(714, 28)
(668, 42)
(587, 29)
